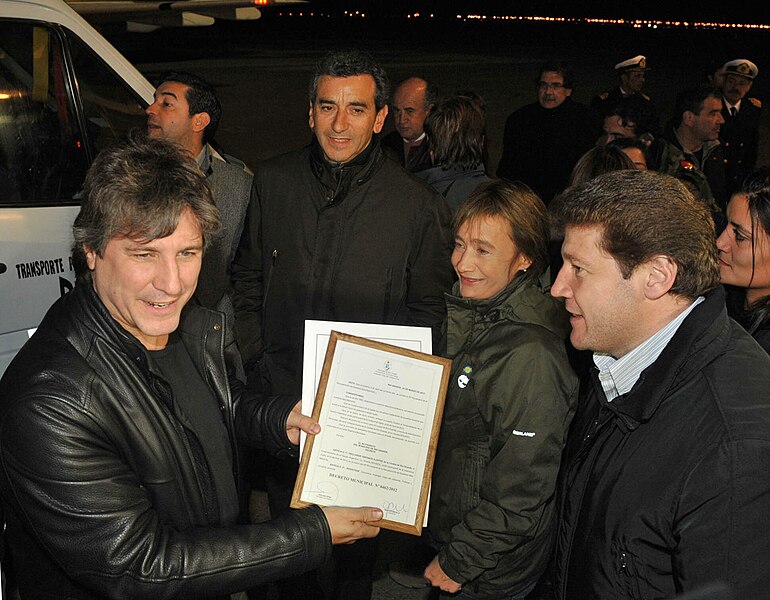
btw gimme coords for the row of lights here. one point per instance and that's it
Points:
(635, 23)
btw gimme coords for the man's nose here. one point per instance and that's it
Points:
(167, 278)
(560, 289)
(340, 122)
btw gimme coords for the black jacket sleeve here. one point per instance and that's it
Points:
(73, 489)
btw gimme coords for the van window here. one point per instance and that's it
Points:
(110, 107)
(42, 155)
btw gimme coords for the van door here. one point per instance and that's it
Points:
(59, 105)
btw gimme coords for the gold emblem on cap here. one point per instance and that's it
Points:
(743, 69)
(643, 63)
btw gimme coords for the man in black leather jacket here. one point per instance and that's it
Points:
(119, 418)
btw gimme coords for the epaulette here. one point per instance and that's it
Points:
(756, 102)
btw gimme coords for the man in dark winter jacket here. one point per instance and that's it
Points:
(337, 231)
(665, 486)
(543, 140)
(119, 417)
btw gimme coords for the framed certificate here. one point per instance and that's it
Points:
(380, 409)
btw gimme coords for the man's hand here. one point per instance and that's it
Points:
(437, 578)
(297, 421)
(350, 524)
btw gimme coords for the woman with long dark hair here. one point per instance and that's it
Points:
(744, 256)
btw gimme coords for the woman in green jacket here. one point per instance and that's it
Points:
(510, 401)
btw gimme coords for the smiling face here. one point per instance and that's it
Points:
(551, 91)
(744, 255)
(485, 257)
(144, 284)
(604, 307)
(344, 117)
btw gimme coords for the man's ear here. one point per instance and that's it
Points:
(661, 274)
(688, 117)
(379, 120)
(310, 119)
(200, 121)
(90, 258)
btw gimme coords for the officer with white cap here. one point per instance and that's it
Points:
(631, 75)
(740, 132)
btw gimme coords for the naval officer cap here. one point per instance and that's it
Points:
(743, 67)
(637, 63)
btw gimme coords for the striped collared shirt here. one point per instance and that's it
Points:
(618, 376)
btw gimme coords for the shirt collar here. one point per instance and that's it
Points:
(415, 141)
(618, 376)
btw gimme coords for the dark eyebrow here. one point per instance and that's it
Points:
(744, 232)
(172, 94)
(354, 103)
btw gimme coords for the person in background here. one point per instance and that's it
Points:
(455, 129)
(744, 256)
(598, 160)
(543, 140)
(741, 113)
(635, 149)
(510, 401)
(186, 111)
(411, 104)
(631, 75)
(693, 137)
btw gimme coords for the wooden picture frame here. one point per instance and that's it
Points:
(380, 409)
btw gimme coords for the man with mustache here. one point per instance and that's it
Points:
(543, 140)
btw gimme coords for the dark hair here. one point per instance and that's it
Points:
(139, 189)
(521, 208)
(200, 97)
(455, 129)
(756, 188)
(599, 160)
(637, 111)
(559, 67)
(625, 143)
(644, 214)
(692, 100)
(349, 63)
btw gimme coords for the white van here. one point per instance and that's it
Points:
(65, 93)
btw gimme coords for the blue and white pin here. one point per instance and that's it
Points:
(464, 378)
